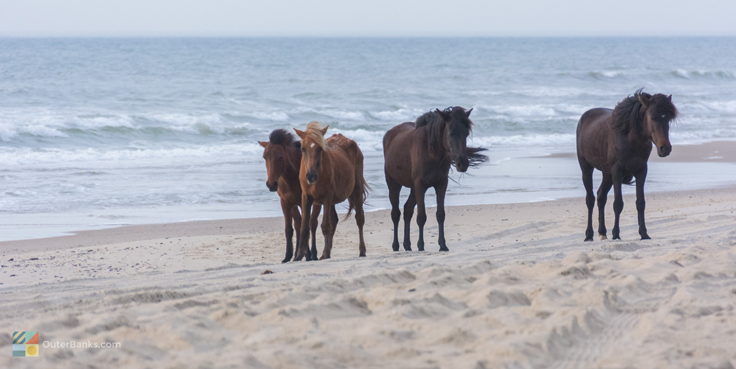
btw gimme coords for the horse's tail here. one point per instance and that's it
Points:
(360, 191)
(475, 157)
(628, 179)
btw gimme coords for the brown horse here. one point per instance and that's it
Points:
(283, 156)
(331, 171)
(419, 155)
(618, 143)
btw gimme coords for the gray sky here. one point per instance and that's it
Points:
(367, 18)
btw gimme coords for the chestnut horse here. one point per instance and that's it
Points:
(618, 143)
(283, 156)
(419, 155)
(331, 172)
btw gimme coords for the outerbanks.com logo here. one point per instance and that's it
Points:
(27, 344)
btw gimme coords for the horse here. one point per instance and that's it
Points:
(418, 155)
(618, 142)
(283, 156)
(331, 172)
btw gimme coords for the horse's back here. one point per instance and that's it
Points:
(396, 131)
(592, 136)
(348, 146)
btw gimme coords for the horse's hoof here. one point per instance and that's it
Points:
(324, 257)
(603, 237)
(444, 249)
(616, 237)
(395, 246)
(588, 239)
(286, 260)
(646, 237)
(362, 255)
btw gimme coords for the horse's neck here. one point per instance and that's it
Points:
(293, 161)
(436, 146)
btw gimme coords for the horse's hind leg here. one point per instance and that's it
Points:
(297, 220)
(605, 186)
(421, 214)
(313, 223)
(329, 224)
(394, 190)
(589, 197)
(408, 213)
(360, 220)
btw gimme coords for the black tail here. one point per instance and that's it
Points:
(475, 157)
(628, 180)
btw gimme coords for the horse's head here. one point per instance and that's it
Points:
(313, 146)
(659, 112)
(457, 128)
(276, 155)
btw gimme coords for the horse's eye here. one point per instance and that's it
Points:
(664, 116)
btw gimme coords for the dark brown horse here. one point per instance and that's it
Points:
(618, 143)
(283, 157)
(419, 155)
(331, 172)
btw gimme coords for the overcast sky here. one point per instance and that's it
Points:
(367, 18)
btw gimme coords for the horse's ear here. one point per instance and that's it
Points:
(324, 130)
(442, 114)
(669, 98)
(263, 143)
(300, 133)
(644, 98)
(467, 113)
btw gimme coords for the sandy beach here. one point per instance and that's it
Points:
(519, 289)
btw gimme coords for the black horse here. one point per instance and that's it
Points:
(618, 143)
(418, 155)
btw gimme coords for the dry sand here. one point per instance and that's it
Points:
(519, 289)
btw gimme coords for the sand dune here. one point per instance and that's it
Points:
(519, 289)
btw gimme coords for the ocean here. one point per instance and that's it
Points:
(105, 132)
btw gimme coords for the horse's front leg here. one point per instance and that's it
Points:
(618, 202)
(302, 248)
(440, 192)
(641, 203)
(420, 190)
(296, 219)
(313, 223)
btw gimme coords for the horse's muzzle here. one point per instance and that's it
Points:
(272, 186)
(311, 177)
(664, 150)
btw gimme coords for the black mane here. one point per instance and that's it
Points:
(628, 113)
(435, 121)
(281, 137)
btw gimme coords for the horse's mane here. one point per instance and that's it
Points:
(315, 133)
(281, 137)
(628, 113)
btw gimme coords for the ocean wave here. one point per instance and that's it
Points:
(606, 74)
(19, 124)
(701, 73)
